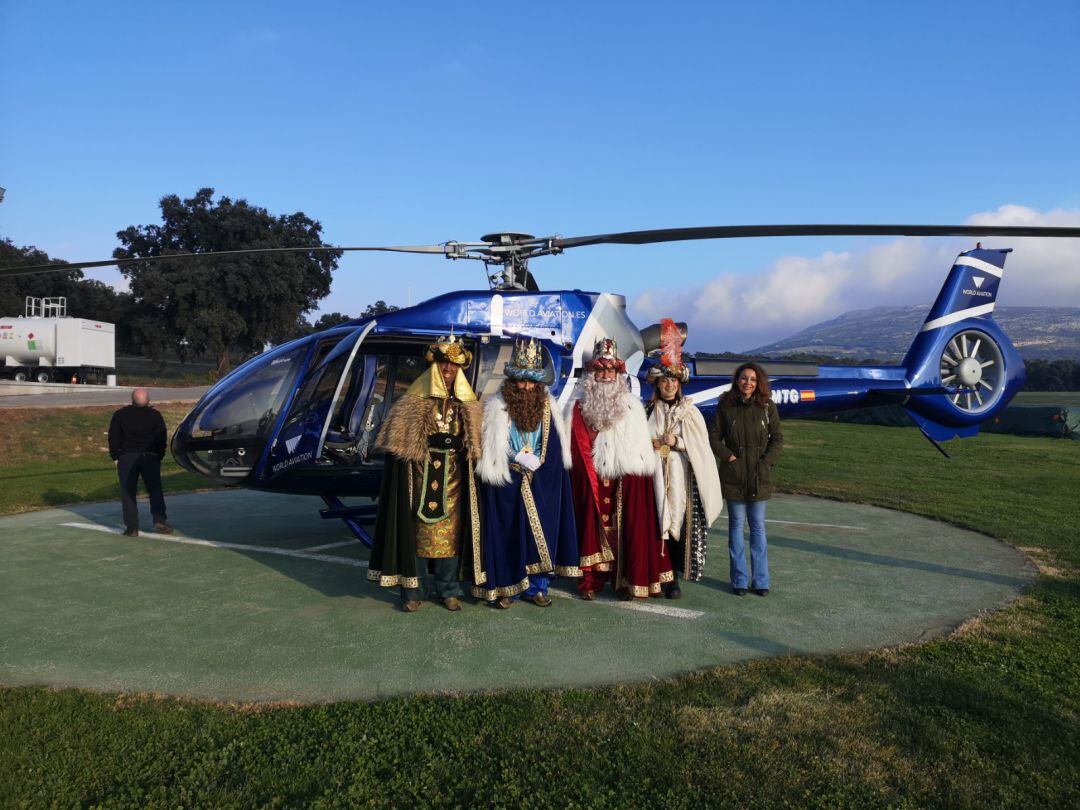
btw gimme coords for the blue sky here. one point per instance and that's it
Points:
(422, 122)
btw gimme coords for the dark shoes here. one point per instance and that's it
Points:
(131, 532)
(761, 591)
(672, 590)
(163, 528)
(739, 591)
(505, 603)
(588, 596)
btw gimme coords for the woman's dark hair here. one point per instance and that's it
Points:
(762, 394)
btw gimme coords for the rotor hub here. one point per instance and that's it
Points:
(969, 372)
(506, 238)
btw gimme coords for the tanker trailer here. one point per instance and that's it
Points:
(56, 348)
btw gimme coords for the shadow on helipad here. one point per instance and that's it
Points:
(256, 598)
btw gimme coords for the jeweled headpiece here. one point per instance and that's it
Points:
(671, 364)
(606, 355)
(449, 349)
(527, 363)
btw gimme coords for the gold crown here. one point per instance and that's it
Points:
(527, 355)
(449, 348)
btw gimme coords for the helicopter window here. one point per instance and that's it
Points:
(407, 368)
(248, 407)
(375, 411)
(319, 386)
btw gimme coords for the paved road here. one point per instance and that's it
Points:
(83, 396)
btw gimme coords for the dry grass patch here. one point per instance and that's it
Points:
(67, 433)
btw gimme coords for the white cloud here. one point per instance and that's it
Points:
(737, 311)
(1043, 271)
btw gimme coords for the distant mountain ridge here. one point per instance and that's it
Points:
(884, 333)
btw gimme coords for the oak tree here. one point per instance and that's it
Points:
(223, 304)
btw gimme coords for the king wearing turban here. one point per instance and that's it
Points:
(527, 504)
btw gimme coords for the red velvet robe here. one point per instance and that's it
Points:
(618, 529)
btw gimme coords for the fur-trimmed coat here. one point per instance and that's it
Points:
(528, 515)
(494, 466)
(404, 437)
(626, 447)
(407, 426)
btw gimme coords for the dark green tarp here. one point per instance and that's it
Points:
(1026, 420)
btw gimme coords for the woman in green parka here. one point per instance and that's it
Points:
(747, 440)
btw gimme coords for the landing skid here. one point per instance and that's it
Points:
(349, 515)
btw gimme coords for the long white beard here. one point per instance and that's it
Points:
(601, 405)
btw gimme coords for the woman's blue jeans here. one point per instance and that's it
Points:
(739, 512)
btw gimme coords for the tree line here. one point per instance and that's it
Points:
(224, 308)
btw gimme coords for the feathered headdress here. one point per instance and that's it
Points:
(671, 364)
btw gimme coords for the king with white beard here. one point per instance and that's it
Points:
(611, 478)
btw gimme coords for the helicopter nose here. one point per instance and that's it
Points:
(226, 433)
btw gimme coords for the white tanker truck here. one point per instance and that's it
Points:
(47, 346)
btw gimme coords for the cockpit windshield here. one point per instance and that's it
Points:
(247, 407)
(226, 432)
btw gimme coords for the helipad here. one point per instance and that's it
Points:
(255, 598)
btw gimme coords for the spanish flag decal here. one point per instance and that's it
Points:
(806, 396)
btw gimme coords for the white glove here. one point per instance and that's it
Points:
(528, 460)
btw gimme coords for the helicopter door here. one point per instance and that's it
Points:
(320, 402)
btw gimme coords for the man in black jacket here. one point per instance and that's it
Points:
(137, 439)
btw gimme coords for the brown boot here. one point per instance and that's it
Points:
(411, 606)
(538, 599)
(163, 528)
(452, 603)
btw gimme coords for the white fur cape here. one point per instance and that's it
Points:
(494, 465)
(695, 436)
(626, 447)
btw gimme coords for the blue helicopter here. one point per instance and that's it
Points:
(302, 418)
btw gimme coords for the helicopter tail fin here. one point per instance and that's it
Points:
(961, 348)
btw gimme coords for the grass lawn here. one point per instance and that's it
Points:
(62, 456)
(988, 716)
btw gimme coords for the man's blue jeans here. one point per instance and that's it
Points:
(738, 514)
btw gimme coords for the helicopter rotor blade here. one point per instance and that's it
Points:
(451, 249)
(555, 244)
(532, 247)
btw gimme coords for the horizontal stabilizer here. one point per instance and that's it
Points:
(939, 432)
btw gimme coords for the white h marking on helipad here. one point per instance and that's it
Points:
(663, 610)
(818, 525)
(193, 541)
(644, 607)
(338, 544)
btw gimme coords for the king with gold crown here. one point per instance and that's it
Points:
(427, 531)
(528, 507)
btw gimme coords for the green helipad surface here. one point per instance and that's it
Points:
(259, 599)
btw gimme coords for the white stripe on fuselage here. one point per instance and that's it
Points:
(698, 397)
